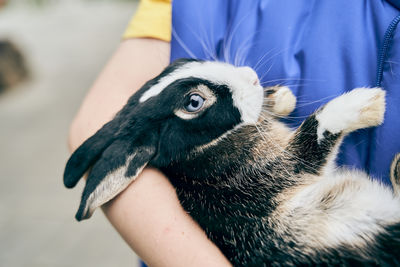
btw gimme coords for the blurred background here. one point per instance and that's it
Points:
(50, 53)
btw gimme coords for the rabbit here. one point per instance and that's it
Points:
(266, 195)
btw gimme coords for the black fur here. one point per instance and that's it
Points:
(307, 152)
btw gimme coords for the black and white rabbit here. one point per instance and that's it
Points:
(264, 194)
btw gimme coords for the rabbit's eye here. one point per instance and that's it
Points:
(195, 103)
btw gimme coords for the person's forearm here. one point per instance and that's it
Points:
(158, 228)
(147, 214)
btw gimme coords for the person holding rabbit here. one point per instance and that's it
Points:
(320, 50)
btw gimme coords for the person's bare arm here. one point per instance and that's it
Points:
(147, 214)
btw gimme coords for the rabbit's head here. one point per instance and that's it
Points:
(191, 103)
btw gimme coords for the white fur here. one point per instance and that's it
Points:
(359, 108)
(185, 115)
(246, 91)
(110, 186)
(355, 215)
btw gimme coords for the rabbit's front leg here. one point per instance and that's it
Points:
(279, 100)
(314, 144)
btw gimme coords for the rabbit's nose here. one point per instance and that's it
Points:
(250, 75)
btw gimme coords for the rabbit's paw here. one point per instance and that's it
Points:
(359, 108)
(281, 100)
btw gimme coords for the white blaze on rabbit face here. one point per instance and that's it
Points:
(247, 93)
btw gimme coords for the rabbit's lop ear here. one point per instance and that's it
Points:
(91, 150)
(87, 154)
(118, 166)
